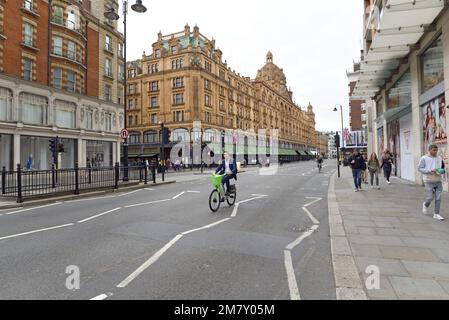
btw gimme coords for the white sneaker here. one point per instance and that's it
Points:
(356, 190)
(424, 209)
(388, 182)
(438, 217)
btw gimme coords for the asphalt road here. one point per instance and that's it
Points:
(164, 243)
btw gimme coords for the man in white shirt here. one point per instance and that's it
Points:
(432, 167)
(228, 168)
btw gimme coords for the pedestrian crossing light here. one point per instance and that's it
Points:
(53, 144)
(337, 140)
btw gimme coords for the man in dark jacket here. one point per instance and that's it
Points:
(228, 168)
(357, 163)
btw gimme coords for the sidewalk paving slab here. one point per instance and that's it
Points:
(386, 228)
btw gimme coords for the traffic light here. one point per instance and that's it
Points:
(54, 146)
(166, 135)
(337, 140)
(60, 147)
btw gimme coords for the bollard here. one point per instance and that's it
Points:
(117, 174)
(19, 184)
(77, 184)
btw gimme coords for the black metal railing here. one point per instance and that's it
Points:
(21, 184)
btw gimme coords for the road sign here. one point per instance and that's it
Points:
(124, 134)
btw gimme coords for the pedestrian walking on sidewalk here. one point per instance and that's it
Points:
(357, 165)
(432, 167)
(387, 165)
(374, 168)
(364, 170)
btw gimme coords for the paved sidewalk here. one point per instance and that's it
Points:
(386, 228)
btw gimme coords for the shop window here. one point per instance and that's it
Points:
(400, 95)
(432, 66)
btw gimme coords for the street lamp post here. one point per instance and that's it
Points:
(338, 145)
(163, 151)
(112, 15)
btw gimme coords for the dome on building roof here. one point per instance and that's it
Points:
(271, 73)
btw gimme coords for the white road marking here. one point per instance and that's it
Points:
(149, 262)
(35, 231)
(234, 212)
(315, 221)
(159, 253)
(316, 199)
(102, 296)
(99, 215)
(194, 191)
(128, 193)
(291, 278)
(33, 208)
(177, 196)
(306, 234)
(89, 199)
(236, 207)
(149, 189)
(147, 203)
(206, 227)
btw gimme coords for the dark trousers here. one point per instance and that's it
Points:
(387, 173)
(226, 180)
(357, 175)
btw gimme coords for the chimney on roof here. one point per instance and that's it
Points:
(213, 43)
(187, 30)
(159, 36)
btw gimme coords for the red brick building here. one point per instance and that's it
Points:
(61, 74)
(357, 112)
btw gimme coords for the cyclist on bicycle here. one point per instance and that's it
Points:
(229, 168)
(320, 161)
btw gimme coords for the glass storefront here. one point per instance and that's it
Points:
(35, 153)
(6, 151)
(432, 65)
(99, 153)
(400, 95)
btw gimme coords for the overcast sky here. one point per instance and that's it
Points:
(313, 41)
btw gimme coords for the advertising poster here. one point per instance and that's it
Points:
(435, 130)
(380, 141)
(394, 145)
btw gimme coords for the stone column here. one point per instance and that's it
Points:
(81, 153)
(16, 150)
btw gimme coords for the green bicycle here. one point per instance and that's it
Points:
(218, 195)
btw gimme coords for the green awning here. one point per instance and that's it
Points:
(303, 153)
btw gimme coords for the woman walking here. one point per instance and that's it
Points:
(387, 165)
(373, 168)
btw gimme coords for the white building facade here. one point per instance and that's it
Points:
(32, 114)
(404, 79)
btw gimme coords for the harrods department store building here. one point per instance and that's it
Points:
(61, 74)
(185, 80)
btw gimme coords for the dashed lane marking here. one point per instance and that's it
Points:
(35, 231)
(33, 208)
(99, 215)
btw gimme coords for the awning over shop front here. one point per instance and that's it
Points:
(400, 25)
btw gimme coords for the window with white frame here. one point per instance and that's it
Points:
(71, 20)
(33, 109)
(57, 78)
(57, 45)
(28, 34)
(5, 104)
(71, 81)
(65, 114)
(28, 4)
(58, 15)
(107, 93)
(108, 43)
(27, 69)
(71, 50)
(178, 82)
(88, 119)
(108, 122)
(108, 67)
(120, 50)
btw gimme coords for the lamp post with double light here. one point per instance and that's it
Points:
(110, 14)
(337, 137)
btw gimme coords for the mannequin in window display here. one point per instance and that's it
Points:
(430, 126)
(442, 131)
(30, 162)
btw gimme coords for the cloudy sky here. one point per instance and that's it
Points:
(313, 41)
